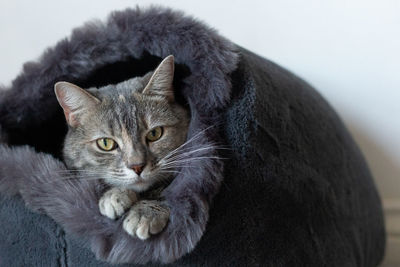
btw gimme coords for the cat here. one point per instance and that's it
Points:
(126, 134)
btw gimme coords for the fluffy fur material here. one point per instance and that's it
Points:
(293, 191)
(73, 204)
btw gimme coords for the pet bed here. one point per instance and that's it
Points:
(291, 189)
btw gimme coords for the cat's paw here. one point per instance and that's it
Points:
(116, 201)
(146, 217)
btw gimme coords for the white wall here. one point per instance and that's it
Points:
(349, 50)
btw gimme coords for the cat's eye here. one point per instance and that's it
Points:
(106, 144)
(154, 134)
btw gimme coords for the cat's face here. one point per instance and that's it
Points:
(122, 132)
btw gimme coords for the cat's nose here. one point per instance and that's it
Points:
(138, 168)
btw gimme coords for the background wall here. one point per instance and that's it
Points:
(349, 50)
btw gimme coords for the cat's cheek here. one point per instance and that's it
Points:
(162, 147)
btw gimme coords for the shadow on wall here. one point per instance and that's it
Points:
(385, 170)
(386, 173)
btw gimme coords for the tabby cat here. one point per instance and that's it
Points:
(128, 135)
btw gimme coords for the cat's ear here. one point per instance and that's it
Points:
(74, 100)
(161, 81)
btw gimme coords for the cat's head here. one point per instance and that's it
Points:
(121, 132)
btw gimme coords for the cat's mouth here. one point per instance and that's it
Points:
(139, 183)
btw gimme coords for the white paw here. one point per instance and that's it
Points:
(146, 217)
(116, 201)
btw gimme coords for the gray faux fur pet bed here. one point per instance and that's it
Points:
(293, 191)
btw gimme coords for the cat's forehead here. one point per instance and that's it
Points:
(123, 89)
(123, 104)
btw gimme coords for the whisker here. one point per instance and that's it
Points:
(196, 136)
(172, 157)
(191, 159)
(164, 171)
(88, 171)
(175, 167)
(188, 153)
(191, 150)
(90, 176)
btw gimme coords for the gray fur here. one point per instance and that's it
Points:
(145, 218)
(126, 114)
(74, 203)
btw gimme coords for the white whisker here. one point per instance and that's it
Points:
(174, 166)
(188, 160)
(196, 136)
(172, 157)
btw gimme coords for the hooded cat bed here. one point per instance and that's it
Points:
(293, 189)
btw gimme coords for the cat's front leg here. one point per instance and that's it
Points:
(146, 217)
(116, 201)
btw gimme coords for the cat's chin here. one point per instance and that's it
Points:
(139, 186)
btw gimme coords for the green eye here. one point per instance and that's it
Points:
(106, 144)
(154, 134)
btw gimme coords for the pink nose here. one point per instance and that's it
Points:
(138, 168)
